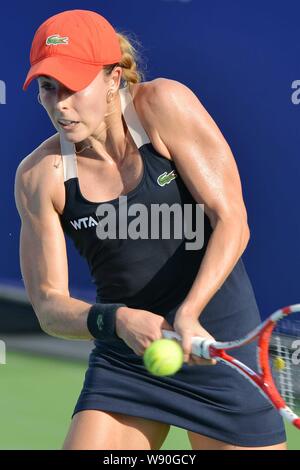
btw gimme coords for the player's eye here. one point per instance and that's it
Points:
(47, 86)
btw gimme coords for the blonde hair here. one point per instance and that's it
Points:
(131, 70)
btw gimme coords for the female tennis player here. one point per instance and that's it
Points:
(124, 144)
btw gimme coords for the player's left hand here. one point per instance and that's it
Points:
(187, 327)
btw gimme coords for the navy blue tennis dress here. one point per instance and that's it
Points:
(155, 274)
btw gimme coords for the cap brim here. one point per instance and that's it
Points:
(72, 74)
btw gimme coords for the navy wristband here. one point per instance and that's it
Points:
(101, 320)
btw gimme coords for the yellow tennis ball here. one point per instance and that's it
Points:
(163, 357)
(279, 363)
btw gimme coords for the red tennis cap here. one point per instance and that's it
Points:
(72, 47)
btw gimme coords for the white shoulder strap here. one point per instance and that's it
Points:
(132, 120)
(69, 158)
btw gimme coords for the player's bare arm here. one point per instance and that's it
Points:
(43, 256)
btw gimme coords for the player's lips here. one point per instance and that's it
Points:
(67, 124)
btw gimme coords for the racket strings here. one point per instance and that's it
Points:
(283, 357)
(283, 371)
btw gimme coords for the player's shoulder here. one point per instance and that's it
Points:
(161, 95)
(33, 171)
(41, 156)
(160, 84)
(161, 88)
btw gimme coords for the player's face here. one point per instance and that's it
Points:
(86, 108)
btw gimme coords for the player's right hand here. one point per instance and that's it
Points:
(139, 328)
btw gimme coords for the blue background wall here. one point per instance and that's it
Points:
(240, 58)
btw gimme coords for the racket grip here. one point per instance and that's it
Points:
(200, 346)
(171, 335)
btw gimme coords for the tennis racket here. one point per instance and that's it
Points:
(278, 359)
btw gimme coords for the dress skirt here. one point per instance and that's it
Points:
(215, 401)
